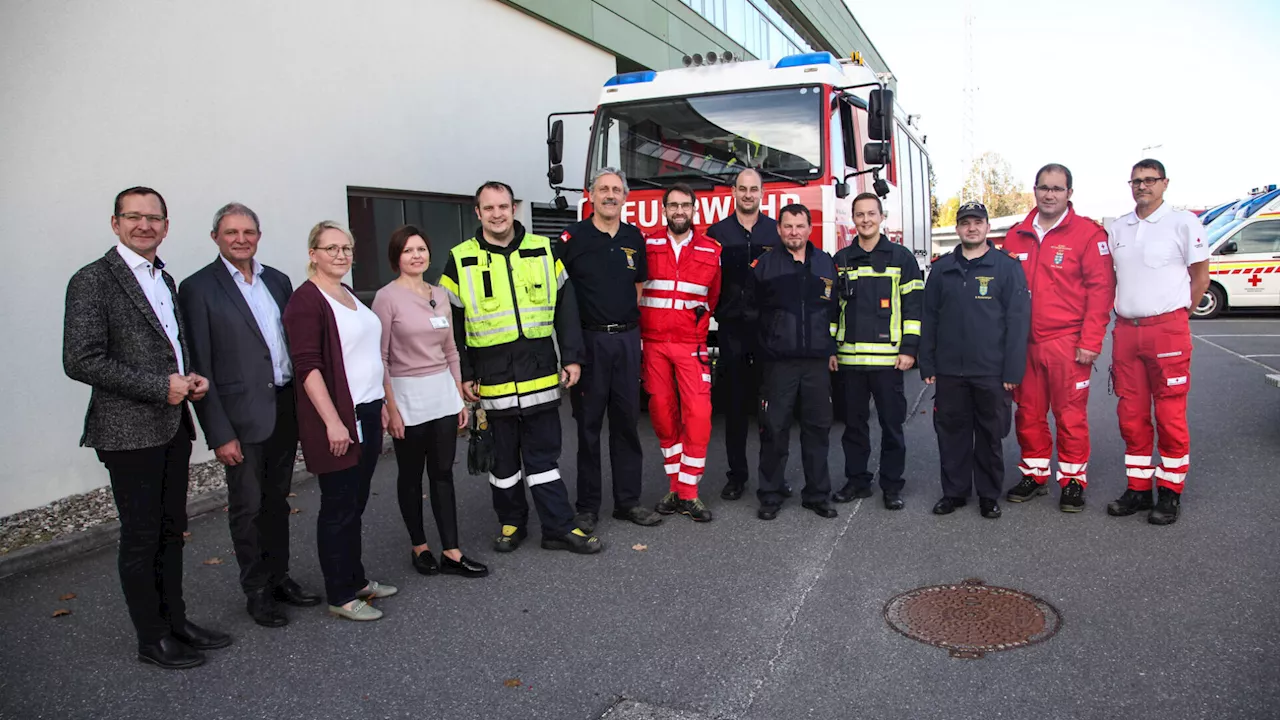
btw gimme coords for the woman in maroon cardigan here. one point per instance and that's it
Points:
(334, 341)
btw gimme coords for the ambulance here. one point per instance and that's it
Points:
(819, 130)
(1244, 262)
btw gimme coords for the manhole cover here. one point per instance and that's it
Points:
(972, 619)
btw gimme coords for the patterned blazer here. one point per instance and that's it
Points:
(113, 342)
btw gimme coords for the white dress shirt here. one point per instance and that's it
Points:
(1041, 232)
(1151, 258)
(158, 295)
(360, 332)
(677, 246)
(267, 314)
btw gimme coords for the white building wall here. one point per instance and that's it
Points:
(279, 105)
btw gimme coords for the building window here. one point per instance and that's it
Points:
(373, 214)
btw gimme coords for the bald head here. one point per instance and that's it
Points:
(746, 192)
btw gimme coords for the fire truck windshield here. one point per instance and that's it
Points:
(712, 137)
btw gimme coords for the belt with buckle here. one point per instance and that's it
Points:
(611, 328)
(1179, 314)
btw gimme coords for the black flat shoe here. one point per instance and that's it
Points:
(850, 493)
(732, 490)
(200, 638)
(822, 510)
(291, 593)
(466, 567)
(893, 501)
(170, 653)
(264, 610)
(642, 516)
(989, 508)
(767, 512)
(948, 505)
(425, 563)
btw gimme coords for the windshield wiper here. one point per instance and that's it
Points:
(769, 173)
(697, 174)
(647, 181)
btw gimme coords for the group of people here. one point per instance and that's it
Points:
(600, 311)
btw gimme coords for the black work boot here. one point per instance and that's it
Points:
(1026, 490)
(1166, 510)
(668, 505)
(695, 509)
(1072, 498)
(1130, 502)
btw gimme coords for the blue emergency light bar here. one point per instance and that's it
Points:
(813, 58)
(1265, 189)
(631, 78)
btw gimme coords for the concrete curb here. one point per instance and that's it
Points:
(68, 546)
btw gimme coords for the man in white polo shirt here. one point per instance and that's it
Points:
(1162, 270)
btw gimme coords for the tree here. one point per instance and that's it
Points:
(933, 196)
(991, 183)
(947, 213)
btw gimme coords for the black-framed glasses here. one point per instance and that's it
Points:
(333, 250)
(139, 217)
(1051, 189)
(1145, 181)
(680, 206)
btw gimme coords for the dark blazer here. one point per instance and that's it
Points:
(314, 344)
(113, 342)
(976, 321)
(228, 348)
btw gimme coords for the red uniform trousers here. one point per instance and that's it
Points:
(1054, 381)
(679, 385)
(1152, 362)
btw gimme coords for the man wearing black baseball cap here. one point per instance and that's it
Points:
(973, 349)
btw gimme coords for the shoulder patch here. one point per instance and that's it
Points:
(755, 262)
(564, 236)
(1104, 248)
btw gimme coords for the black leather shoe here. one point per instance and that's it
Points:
(1026, 489)
(893, 501)
(466, 567)
(820, 509)
(200, 638)
(1166, 510)
(732, 490)
(290, 592)
(849, 493)
(263, 608)
(786, 489)
(948, 505)
(638, 515)
(424, 562)
(574, 543)
(170, 653)
(586, 522)
(1130, 502)
(768, 512)
(989, 508)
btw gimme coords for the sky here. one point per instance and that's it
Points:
(1091, 84)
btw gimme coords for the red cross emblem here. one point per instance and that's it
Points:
(1255, 279)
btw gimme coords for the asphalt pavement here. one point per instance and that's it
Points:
(737, 618)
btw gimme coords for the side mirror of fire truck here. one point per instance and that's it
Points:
(842, 189)
(555, 143)
(876, 153)
(880, 114)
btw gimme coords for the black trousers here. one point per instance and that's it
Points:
(610, 383)
(972, 416)
(885, 386)
(431, 446)
(257, 500)
(343, 495)
(150, 488)
(528, 448)
(795, 387)
(740, 376)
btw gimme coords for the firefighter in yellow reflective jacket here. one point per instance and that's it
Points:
(881, 291)
(510, 295)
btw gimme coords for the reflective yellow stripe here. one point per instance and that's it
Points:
(507, 388)
(876, 348)
(542, 383)
(448, 284)
(867, 360)
(833, 329)
(910, 286)
(910, 327)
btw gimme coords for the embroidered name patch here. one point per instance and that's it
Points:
(1104, 248)
(1082, 384)
(1180, 380)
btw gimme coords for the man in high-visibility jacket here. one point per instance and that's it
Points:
(676, 303)
(880, 287)
(509, 292)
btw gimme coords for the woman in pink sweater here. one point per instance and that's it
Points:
(424, 402)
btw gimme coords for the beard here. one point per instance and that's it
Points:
(679, 226)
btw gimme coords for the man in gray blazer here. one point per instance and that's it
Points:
(123, 336)
(232, 308)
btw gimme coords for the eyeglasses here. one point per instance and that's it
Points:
(1145, 182)
(333, 250)
(1050, 189)
(680, 206)
(139, 217)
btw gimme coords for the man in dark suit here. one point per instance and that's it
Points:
(123, 337)
(232, 308)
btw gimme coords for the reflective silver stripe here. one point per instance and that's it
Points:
(543, 477)
(655, 241)
(504, 483)
(502, 403)
(691, 288)
(493, 331)
(689, 304)
(561, 279)
(539, 398)
(471, 287)
(659, 285)
(492, 316)
(548, 323)
(454, 300)
(538, 308)
(655, 302)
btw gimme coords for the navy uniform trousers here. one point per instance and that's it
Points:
(527, 448)
(972, 416)
(610, 384)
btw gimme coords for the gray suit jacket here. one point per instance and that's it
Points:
(228, 348)
(113, 342)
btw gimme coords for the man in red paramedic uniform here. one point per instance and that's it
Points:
(1073, 287)
(676, 302)
(1162, 271)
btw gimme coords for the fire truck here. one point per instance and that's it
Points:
(818, 129)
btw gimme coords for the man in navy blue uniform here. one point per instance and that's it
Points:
(791, 295)
(605, 259)
(973, 349)
(743, 236)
